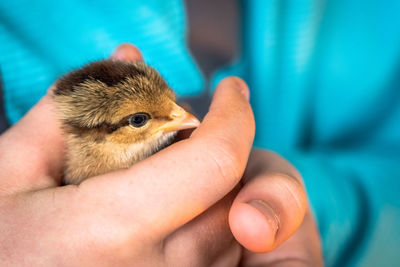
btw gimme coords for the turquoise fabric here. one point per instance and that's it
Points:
(324, 78)
(40, 40)
(325, 87)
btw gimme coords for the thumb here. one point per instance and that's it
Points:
(271, 206)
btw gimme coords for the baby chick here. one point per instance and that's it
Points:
(114, 114)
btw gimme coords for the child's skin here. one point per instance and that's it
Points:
(140, 216)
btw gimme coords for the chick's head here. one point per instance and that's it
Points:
(119, 102)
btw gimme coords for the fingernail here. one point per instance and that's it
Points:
(265, 209)
(242, 87)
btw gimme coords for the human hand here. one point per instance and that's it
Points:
(165, 210)
(271, 216)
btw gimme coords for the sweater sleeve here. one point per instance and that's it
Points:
(324, 86)
(355, 197)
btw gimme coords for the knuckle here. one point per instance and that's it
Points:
(225, 159)
(294, 189)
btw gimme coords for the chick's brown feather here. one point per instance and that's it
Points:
(89, 96)
(95, 103)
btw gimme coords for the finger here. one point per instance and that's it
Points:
(208, 235)
(127, 52)
(33, 150)
(270, 207)
(301, 249)
(183, 180)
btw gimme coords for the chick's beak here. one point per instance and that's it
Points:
(181, 120)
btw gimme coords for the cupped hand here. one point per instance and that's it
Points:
(168, 210)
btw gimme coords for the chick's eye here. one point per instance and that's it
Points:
(139, 119)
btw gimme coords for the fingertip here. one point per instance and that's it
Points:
(237, 83)
(127, 52)
(230, 103)
(252, 228)
(269, 207)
